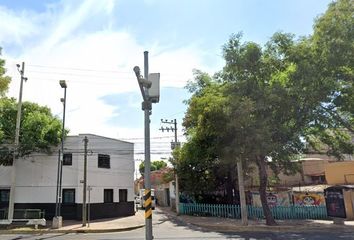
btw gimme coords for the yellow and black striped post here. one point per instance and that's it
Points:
(148, 204)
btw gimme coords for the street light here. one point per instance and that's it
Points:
(57, 221)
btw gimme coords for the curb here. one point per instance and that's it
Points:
(262, 228)
(49, 231)
(294, 229)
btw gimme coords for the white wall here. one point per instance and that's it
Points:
(36, 175)
(119, 176)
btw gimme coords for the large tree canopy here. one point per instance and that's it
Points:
(267, 100)
(40, 130)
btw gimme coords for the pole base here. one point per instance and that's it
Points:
(338, 221)
(57, 222)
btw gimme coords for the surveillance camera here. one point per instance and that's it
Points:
(17, 65)
(145, 83)
(136, 69)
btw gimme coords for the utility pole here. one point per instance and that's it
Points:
(241, 188)
(16, 145)
(176, 144)
(89, 188)
(84, 209)
(150, 91)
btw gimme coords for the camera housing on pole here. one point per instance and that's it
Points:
(154, 90)
(149, 87)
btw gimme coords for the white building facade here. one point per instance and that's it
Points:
(110, 176)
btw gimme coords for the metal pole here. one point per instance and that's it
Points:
(17, 138)
(57, 193)
(62, 155)
(241, 188)
(147, 109)
(84, 215)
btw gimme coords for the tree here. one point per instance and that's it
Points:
(4, 80)
(155, 165)
(260, 107)
(332, 45)
(267, 100)
(40, 130)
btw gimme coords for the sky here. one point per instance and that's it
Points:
(94, 45)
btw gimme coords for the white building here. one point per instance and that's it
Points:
(110, 165)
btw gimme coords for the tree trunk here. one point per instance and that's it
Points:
(263, 181)
(231, 184)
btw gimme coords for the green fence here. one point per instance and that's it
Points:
(24, 214)
(234, 211)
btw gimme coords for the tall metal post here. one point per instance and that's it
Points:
(57, 220)
(84, 209)
(62, 149)
(16, 145)
(153, 97)
(147, 111)
(57, 192)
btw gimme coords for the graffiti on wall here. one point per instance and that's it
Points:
(273, 199)
(309, 199)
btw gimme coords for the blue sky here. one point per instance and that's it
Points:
(94, 44)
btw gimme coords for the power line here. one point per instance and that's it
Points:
(92, 70)
(85, 82)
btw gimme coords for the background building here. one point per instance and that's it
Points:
(110, 164)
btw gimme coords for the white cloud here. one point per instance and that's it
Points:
(73, 17)
(94, 64)
(15, 26)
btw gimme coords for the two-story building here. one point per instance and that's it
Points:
(110, 179)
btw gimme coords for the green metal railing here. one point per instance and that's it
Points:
(234, 211)
(24, 214)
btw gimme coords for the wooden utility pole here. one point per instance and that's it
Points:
(176, 144)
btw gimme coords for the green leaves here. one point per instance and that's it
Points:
(4, 80)
(155, 165)
(40, 130)
(267, 100)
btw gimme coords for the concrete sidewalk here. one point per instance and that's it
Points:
(96, 226)
(207, 223)
(235, 225)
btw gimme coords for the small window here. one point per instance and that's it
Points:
(68, 159)
(123, 195)
(108, 195)
(104, 161)
(68, 195)
(4, 195)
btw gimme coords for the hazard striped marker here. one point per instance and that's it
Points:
(147, 204)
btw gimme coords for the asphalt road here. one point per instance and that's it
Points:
(165, 227)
